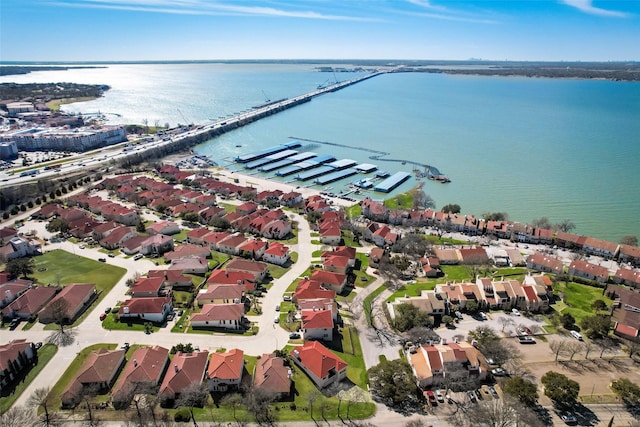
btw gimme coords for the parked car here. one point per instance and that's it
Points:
(125, 346)
(294, 336)
(102, 259)
(515, 312)
(431, 397)
(111, 255)
(103, 316)
(498, 372)
(472, 396)
(527, 340)
(14, 324)
(37, 345)
(81, 246)
(577, 335)
(439, 396)
(483, 315)
(107, 310)
(276, 319)
(287, 298)
(569, 419)
(137, 257)
(277, 307)
(180, 312)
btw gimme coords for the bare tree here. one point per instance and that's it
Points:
(17, 416)
(572, 348)
(505, 412)
(233, 401)
(40, 400)
(588, 347)
(192, 396)
(506, 321)
(605, 344)
(312, 396)
(258, 401)
(558, 347)
(57, 311)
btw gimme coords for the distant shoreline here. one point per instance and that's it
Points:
(616, 71)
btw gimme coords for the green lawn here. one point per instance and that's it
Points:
(401, 201)
(45, 354)
(578, 299)
(62, 267)
(111, 324)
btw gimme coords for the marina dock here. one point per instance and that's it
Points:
(392, 182)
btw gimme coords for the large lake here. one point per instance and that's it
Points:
(564, 149)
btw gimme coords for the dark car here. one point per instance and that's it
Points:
(294, 336)
(14, 324)
(569, 419)
(431, 397)
(107, 310)
(37, 345)
(102, 259)
(111, 255)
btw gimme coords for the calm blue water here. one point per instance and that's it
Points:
(565, 149)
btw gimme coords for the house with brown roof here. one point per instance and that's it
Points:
(231, 244)
(16, 359)
(225, 316)
(319, 363)
(317, 324)
(146, 287)
(447, 256)
(213, 238)
(195, 236)
(601, 248)
(272, 375)
(97, 375)
(544, 263)
(27, 305)
(568, 240)
(375, 256)
(226, 277)
(630, 254)
(117, 237)
(190, 265)
(157, 244)
(185, 370)
(172, 279)
(277, 229)
(221, 294)
(225, 370)
(12, 289)
(168, 228)
(258, 269)
(475, 255)
(146, 309)
(625, 312)
(69, 303)
(142, 374)
(587, 270)
(253, 248)
(311, 289)
(188, 250)
(432, 364)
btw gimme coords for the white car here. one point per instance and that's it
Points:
(439, 396)
(515, 312)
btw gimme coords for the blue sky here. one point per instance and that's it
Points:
(126, 30)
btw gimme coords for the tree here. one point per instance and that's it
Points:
(495, 413)
(412, 244)
(568, 321)
(573, 347)
(191, 217)
(627, 390)
(393, 382)
(58, 311)
(483, 335)
(542, 222)
(558, 347)
(312, 396)
(421, 200)
(140, 228)
(220, 223)
(566, 225)
(233, 401)
(506, 321)
(471, 307)
(451, 208)
(58, 225)
(447, 320)
(605, 344)
(599, 305)
(409, 316)
(258, 401)
(41, 401)
(495, 216)
(17, 416)
(523, 390)
(21, 267)
(629, 240)
(194, 395)
(559, 388)
(596, 327)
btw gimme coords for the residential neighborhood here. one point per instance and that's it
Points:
(192, 285)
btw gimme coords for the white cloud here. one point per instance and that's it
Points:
(587, 6)
(203, 7)
(443, 13)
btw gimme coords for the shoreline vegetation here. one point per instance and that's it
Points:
(616, 71)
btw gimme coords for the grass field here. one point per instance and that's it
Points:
(45, 354)
(61, 267)
(577, 299)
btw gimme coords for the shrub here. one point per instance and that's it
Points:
(182, 415)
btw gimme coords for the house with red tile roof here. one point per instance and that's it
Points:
(225, 370)
(97, 375)
(212, 212)
(27, 305)
(311, 289)
(195, 236)
(247, 208)
(258, 269)
(431, 364)
(220, 294)
(319, 363)
(383, 236)
(588, 270)
(291, 199)
(375, 211)
(16, 358)
(473, 255)
(334, 281)
(185, 370)
(253, 248)
(226, 277)
(277, 229)
(319, 304)
(375, 256)
(568, 240)
(147, 287)
(272, 375)
(101, 231)
(213, 238)
(623, 275)
(601, 248)
(117, 237)
(141, 374)
(544, 263)
(153, 309)
(344, 251)
(277, 254)
(225, 316)
(336, 264)
(69, 303)
(330, 233)
(317, 324)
